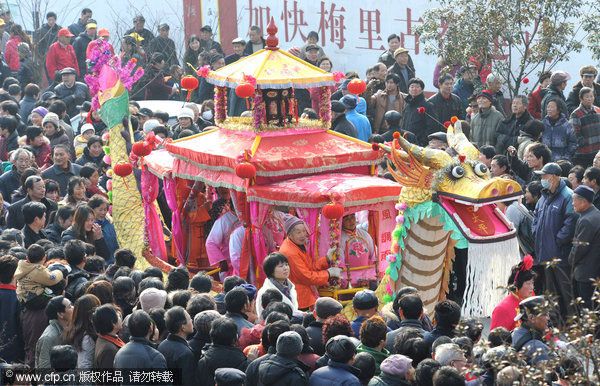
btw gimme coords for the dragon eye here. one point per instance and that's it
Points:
(458, 172)
(481, 169)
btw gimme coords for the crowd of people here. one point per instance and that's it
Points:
(71, 298)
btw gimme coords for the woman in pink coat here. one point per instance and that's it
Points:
(10, 53)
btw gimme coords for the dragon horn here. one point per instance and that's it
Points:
(458, 140)
(400, 153)
(434, 158)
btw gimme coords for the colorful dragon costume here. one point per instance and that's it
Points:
(449, 202)
(109, 81)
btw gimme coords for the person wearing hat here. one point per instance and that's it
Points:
(464, 87)
(339, 122)
(230, 377)
(485, 123)
(521, 285)
(53, 131)
(402, 68)
(585, 253)
(71, 92)
(339, 370)
(305, 271)
(586, 125)
(79, 26)
(362, 124)
(535, 98)
(529, 336)
(284, 368)
(420, 124)
(311, 39)
(207, 43)
(437, 141)
(390, 99)
(238, 45)
(185, 121)
(325, 307)
(365, 305)
(311, 54)
(393, 120)
(138, 28)
(165, 45)
(103, 34)
(553, 227)
(80, 141)
(446, 104)
(588, 75)
(80, 45)
(558, 84)
(395, 370)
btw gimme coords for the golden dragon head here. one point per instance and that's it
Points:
(461, 184)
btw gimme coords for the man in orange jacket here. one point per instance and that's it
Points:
(304, 271)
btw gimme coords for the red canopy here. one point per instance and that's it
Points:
(317, 190)
(274, 154)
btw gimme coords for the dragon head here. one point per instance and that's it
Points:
(462, 185)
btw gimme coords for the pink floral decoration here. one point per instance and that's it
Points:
(220, 104)
(325, 104)
(250, 79)
(203, 71)
(338, 75)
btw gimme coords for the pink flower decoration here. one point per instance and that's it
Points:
(203, 71)
(106, 159)
(403, 206)
(338, 75)
(250, 79)
(388, 288)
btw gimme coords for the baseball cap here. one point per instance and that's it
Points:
(550, 168)
(163, 26)
(91, 23)
(145, 112)
(399, 51)
(62, 32)
(103, 32)
(531, 305)
(206, 28)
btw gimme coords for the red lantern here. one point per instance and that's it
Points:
(189, 83)
(141, 149)
(245, 170)
(333, 211)
(244, 90)
(123, 169)
(357, 86)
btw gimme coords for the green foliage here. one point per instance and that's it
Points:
(520, 38)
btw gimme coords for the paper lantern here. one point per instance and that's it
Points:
(357, 86)
(189, 83)
(245, 170)
(244, 90)
(141, 149)
(333, 211)
(123, 169)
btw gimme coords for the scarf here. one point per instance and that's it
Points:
(113, 339)
(284, 289)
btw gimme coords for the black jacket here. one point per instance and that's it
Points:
(145, 33)
(9, 182)
(508, 131)
(388, 136)
(252, 370)
(419, 124)
(446, 108)
(80, 46)
(210, 45)
(44, 37)
(197, 344)
(26, 75)
(62, 177)
(585, 253)
(15, 212)
(73, 97)
(74, 279)
(216, 357)
(100, 244)
(343, 126)
(165, 47)
(573, 98)
(139, 354)
(315, 337)
(30, 237)
(248, 50)
(87, 157)
(179, 355)
(278, 370)
(403, 86)
(54, 232)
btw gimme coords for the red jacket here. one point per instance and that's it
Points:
(11, 55)
(60, 57)
(304, 272)
(535, 103)
(505, 313)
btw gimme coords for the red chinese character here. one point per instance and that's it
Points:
(386, 214)
(409, 32)
(385, 237)
(333, 21)
(259, 16)
(370, 23)
(293, 18)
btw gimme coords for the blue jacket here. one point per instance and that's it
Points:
(9, 182)
(560, 138)
(11, 339)
(464, 91)
(362, 124)
(139, 353)
(530, 341)
(553, 225)
(110, 238)
(335, 373)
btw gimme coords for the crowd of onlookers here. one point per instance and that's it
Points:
(70, 297)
